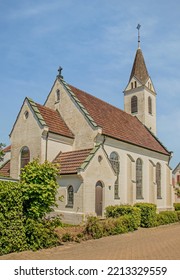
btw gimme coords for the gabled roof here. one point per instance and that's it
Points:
(54, 121)
(70, 162)
(139, 69)
(117, 123)
(74, 161)
(5, 169)
(7, 149)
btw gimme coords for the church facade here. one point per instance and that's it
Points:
(107, 156)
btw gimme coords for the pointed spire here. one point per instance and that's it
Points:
(139, 69)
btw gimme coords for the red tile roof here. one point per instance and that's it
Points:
(117, 123)
(71, 161)
(7, 149)
(54, 121)
(5, 169)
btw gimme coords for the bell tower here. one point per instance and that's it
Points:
(139, 94)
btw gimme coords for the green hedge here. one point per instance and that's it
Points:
(148, 214)
(121, 210)
(12, 231)
(110, 226)
(167, 217)
(176, 206)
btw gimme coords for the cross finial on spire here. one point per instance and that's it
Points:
(59, 70)
(138, 27)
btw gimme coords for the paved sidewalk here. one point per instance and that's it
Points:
(161, 243)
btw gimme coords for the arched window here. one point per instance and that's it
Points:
(135, 84)
(149, 105)
(139, 179)
(158, 179)
(70, 196)
(57, 95)
(114, 159)
(116, 189)
(134, 104)
(25, 156)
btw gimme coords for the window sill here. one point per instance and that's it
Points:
(69, 206)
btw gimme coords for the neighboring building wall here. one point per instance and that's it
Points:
(83, 131)
(6, 157)
(28, 133)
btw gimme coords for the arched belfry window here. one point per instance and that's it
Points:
(25, 156)
(149, 105)
(139, 179)
(70, 196)
(114, 159)
(158, 179)
(134, 104)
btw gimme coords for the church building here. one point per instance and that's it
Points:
(107, 156)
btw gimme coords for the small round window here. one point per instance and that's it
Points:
(26, 115)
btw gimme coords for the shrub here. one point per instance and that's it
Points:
(41, 233)
(39, 188)
(148, 214)
(12, 232)
(94, 227)
(121, 210)
(178, 214)
(167, 217)
(176, 206)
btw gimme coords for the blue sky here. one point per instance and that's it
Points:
(95, 43)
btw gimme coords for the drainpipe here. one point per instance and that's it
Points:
(46, 149)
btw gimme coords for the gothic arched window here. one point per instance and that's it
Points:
(70, 196)
(134, 104)
(114, 159)
(25, 156)
(158, 179)
(139, 179)
(149, 105)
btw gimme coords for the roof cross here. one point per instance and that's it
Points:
(138, 27)
(60, 70)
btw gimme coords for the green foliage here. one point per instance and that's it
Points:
(167, 217)
(178, 215)
(41, 233)
(23, 208)
(39, 188)
(121, 210)
(111, 226)
(12, 232)
(94, 227)
(176, 206)
(1, 151)
(148, 214)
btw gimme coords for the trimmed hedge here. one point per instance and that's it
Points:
(12, 231)
(121, 210)
(148, 214)
(176, 206)
(167, 217)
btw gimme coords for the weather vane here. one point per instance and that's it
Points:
(138, 27)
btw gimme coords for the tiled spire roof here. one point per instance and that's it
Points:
(139, 69)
